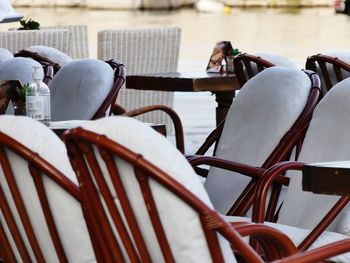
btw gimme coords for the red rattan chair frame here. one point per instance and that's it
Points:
(37, 167)
(261, 196)
(119, 79)
(244, 69)
(81, 145)
(293, 138)
(321, 61)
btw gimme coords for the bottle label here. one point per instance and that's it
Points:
(35, 107)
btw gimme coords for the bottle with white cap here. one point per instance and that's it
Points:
(38, 99)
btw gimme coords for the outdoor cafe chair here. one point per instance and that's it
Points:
(142, 51)
(309, 219)
(147, 204)
(41, 216)
(266, 121)
(247, 65)
(332, 68)
(84, 89)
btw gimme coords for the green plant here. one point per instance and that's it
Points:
(21, 92)
(29, 24)
(234, 51)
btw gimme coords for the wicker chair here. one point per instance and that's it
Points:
(85, 89)
(278, 99)
(143, 51)
(16, 40)
(312, 220)
(247, 66)
(41, 219)
(163, 213)
(332, 68)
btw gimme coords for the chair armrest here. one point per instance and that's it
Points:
(116, 109)
(248, 170)
(273, 174)
(318, 254)
(179, 135)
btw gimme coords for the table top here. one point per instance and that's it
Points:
(183, 81)
(327, 178)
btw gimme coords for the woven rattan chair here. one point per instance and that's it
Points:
(332, 68)
(85, 89)
(146, 204)
(151, 50)
(312, 220)
(278, 99)
(247, 66)
(41, 219)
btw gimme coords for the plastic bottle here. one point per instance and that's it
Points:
(38, 99)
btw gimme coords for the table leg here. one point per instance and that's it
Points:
(224, 100)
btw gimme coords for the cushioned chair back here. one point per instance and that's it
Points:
(128, 182)
(41, 218)
(247, 66)
(79, 45)
(257, 123)
(79, 89)
(17, 40)
(327, 139)
(143, 51)
(332, 67)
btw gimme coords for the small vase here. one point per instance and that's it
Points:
(19, 107)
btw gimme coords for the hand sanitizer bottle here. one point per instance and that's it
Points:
(38, 99)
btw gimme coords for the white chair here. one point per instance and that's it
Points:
(326, 140)
(44, 187)
(268, 109)
(79, 39)
(17, 40)
(79, 88)
(143, 51)
(148, 205)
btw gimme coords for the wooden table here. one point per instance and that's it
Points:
(222, 85)
(327, 178)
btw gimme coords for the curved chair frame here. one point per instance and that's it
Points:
(293, 138)
(37, 167)
(93, 184)
(321, 61)
(244, 69)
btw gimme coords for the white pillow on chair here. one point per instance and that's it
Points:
(51, 53)
(79, 88)
(5, 54)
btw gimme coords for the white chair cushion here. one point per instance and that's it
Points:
(51, 53)
(5, 54)
(344, 56)
(263, 111)
(297, 235)
(66, 210)
(182, 226)
(79, 88)
(19, 69)
(327, 139)
(278, 60)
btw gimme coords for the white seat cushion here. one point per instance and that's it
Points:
(51, 53)
(327, 139)
(278, 60)
(5, 54)
(264, 110)
(182, 226)
(66, 210)
(19, 69)
(297, 235)
(79, 88)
